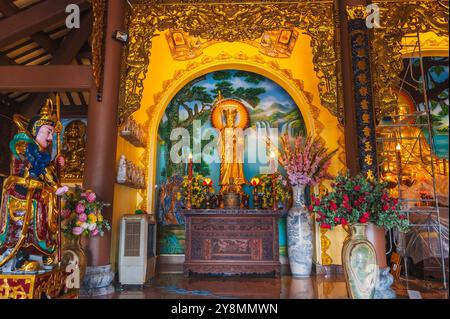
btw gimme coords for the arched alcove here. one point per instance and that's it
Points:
(269, 105)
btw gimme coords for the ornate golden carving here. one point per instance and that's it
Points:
(230, 22)
(277, 44)
(52, 286)
(98, 43)
(356, 12)
(398, 19)
(73, 150)
(8, 291)
(32, 286)
(341, 143)
(324, 245)
(431, 44)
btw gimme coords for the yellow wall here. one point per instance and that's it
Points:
(166, 76)
(125, 198)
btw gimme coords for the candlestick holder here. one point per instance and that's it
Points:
(274, 191)
(189, 194)
(190, 174)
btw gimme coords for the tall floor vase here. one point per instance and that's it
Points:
(360, 263)
(299, 235)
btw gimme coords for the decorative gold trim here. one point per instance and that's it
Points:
(430, 46)
(356, 12)
(98, 41)
(397, 20)
(341, 142)
(325, 243)
(231, 22)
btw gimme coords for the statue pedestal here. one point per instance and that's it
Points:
(48, 285)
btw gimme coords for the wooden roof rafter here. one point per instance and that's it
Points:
(42, 41)
(68, 51)
(7, 8)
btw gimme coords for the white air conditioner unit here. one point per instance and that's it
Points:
(137, 249)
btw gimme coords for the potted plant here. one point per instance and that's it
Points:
(306, 161)
(354, 202)
(198, 195)
(82, 217)
(264, 188)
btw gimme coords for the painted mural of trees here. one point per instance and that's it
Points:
(250, 95)
(195, 101)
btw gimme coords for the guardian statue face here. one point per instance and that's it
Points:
(44, 136)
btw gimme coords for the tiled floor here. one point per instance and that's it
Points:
(175, 286)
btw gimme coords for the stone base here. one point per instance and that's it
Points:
(97, 281)
(94, 292)
(383, 288)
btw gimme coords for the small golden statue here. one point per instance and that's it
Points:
(73, 150)
(231, 117)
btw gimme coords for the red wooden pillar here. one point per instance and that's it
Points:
(359, 115)
(101, 145)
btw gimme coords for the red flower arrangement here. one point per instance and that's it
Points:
(357, 200)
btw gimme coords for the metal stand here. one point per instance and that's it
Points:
(402, 148)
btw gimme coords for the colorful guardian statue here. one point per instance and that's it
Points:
(28, 212)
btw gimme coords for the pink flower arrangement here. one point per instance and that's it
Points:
(306, 161)
(90, 196)
(83, 214)
(80, 208)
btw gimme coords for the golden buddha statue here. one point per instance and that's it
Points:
(230, 117)
(74, 149)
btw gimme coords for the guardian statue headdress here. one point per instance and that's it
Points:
(46, 117)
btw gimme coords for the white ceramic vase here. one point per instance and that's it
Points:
(299, 235)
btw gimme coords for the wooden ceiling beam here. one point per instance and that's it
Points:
(9, 9)
(32, 20)
(68, 50)
(74, 41)
(45, 78)
(5, 60)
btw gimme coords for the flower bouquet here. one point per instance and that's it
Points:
(82, 214)
(282, 191)
(358, 200)
(198, 195)
(306, 160)
(353, 203)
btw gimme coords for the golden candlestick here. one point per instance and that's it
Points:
(274, 180)
(190, 173)
(398, 149)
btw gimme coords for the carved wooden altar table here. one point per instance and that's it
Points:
(231, 242)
